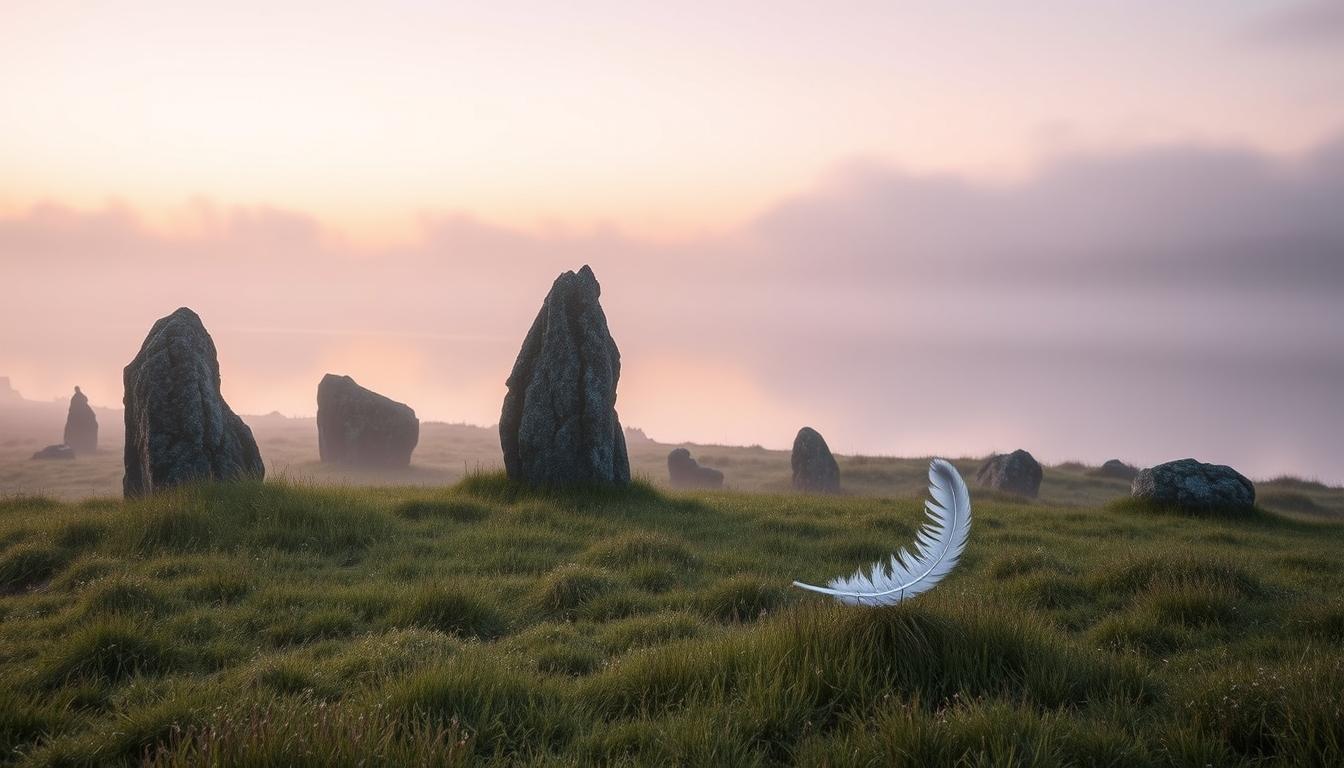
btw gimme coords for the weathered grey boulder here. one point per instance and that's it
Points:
(178, 427)
(55, 452)
(685, 472)
(559, 424)
(1195, 486)
(360, 427)
(814, 468)
(1117, 470)
(1017, 472)
(81, 425)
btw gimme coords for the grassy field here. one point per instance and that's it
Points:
(448, 452)
(284, 624)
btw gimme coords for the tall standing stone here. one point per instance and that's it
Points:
(81, 425)
(360, 427)
(178, 427)
(559, 425)
(814, 468)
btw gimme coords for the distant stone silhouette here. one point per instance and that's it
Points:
(635, 435)
(178, 427)
(1194, 486)
(1117, 469)
(7, 391)
(814, 468)
(55, 452)
(81, 425)
(559, 424)
(685, 472)
(360, 427)
(1017, 472)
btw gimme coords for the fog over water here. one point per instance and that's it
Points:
(1146, 305)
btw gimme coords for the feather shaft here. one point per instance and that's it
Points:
(938, 547)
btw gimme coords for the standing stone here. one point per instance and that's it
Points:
(178, 427)
(1016, 472)
(559, 424)
(1118, 470)
(81, 425)
(685, 472)
(360, 427)
(814, 468)
(1194, 486)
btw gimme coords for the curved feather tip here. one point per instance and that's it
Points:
(938, 546)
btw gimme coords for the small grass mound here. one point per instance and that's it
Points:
(310, 626)
(452, 611)
(122, 596)
(567, 589)
(163, 527)
(1194, 605)
(742, 598)
(79, 534)
(109, 650)
(456, 510)
(502, 710)
(644, 631)
(310, 733)
(217, 587)
(28, 565)
(1128, 578)
(1022, 563)
(640, 548)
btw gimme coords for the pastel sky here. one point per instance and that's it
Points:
(658, 117)
(1090, 229)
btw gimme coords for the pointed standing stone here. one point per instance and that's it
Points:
(178, 427)
(81, 425)
(559, 424)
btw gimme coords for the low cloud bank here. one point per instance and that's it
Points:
(1147, 305)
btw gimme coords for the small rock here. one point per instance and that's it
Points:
(1017, 472)
(814, 468)
(55, 452)
(1194, 486)
(360, 427)
(81, 425)
(178, 427)
(1116, 469)
(559, 424)
(685, 472)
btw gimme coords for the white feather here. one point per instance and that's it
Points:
(938, 546)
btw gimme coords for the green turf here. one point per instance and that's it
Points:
(276, 624)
